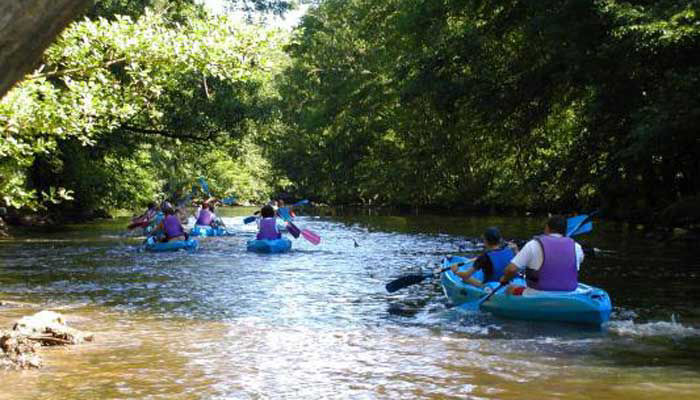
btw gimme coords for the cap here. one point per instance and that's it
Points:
(492, 235)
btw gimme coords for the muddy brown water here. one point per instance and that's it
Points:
(317, 323)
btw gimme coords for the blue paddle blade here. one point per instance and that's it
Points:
(577, 225)
(204, 186)
(248, 220)
(229, 200)
(301, 203)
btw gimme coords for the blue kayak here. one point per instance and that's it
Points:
(270, 246)
(585, 305)
(189, 245)
(208, 231)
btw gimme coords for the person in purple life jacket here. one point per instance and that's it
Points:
(492, 262)
(171, 227)
(206, 216)
(551, 261)
(268, 225)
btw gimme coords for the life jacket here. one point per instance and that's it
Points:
(173, 227)
(558, 272)
(206, 217)
(268, 229)
(284, 213)
(499, 261)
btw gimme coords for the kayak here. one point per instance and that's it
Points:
(585, 305)
(189, 245)
(209, 231)
(270, 246)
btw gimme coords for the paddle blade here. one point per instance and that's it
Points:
(228, 200)
(204, 186)
(578, 225)
(248, 220)
(405, 281)
(301, 203)
(293, 230)
(311, 237)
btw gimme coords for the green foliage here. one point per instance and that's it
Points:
(544, 104)
(122, 109)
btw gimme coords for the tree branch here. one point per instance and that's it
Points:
(168, 134)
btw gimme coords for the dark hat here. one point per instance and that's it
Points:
(492, 235)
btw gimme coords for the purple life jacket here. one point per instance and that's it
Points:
(172, 226)
(268, 229)
(206, 217)
(558, 272)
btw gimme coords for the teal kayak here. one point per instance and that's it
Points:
(189, 245)
(270, 246)
(208, 231)
(585, 305)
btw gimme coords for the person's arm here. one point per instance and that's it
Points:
(510, 272)
(521, 259)
(467, 275)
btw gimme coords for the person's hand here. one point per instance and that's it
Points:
(503, 280)
(454, 268)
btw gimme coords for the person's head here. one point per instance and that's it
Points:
(280, 203)
(169, 211)
(267, 211)
(492, 236)
(211, 207)
(165, 205)
(556, 224)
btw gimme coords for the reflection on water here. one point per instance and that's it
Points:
(317, 323)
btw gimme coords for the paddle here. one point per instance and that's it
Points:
(204, 186)
(228, 200)
(488, 296)
(293, 230)
(300, 203)
(310, 236)
(579, 224)
(413, 279)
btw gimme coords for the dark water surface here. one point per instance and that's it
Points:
(317, 322)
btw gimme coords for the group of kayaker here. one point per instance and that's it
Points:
(550, 261)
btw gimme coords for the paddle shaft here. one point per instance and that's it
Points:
(488, 296)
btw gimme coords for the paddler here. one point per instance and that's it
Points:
(492, 262)
(551, 261)
(171, 226)
(267, 225)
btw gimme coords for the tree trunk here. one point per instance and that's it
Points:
(27, 28)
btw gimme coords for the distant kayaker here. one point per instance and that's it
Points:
(551, 261)
(492, 262)
(285, 212)
(268, 224)
(206, 216)
(171, 227)
(142, 220)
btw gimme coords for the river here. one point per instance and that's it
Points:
(317, 323)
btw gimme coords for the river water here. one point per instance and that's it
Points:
(317, 323)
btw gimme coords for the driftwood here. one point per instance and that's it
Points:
(45, 328)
